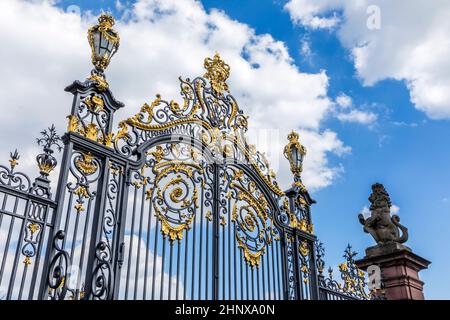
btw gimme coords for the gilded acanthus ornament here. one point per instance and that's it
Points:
(383, 227)
(86, 164)
(217, 71)
(100, 81)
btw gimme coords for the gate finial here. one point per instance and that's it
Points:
(217, 71)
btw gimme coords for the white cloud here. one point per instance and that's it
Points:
(344, 101)
(346, 111)
(366, 211)
(305, 48)
(311, 13)
(395, 209)
(161, 40)
(358, 116)
(412, 44)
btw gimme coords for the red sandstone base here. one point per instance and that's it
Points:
(400, 273)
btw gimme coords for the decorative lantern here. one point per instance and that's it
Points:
(295, 152)
(104, 41)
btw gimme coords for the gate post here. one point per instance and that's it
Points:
(398, 267)
(82, 241)
(298, 210)
(82, 186)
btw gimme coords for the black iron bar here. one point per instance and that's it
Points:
(186, 253)
(252, 270)
(170, 271)
(8, 240)
(242, 274)
(229, 251)
(235, 262)
(23, 225)
(207, 259)
(75, 231)
(215, 232)
(247, 281)
(136, 276)
(38, 253)
(83, 245)
(269, 256)
(149, 228)
(200, 262)
(155, 254)
(194, 229)
(67, 219)
(262, 278)
(24, 275)
(130, 257)
(163, 270)
(178, 269)
(278, 273)
(222, 255)
(5, 251)
(2, 212)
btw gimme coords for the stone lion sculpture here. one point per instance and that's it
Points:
(383, 227)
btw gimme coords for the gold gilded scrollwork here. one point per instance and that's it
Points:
(95, 104)
(175, 194)
(217, 71)
(222, 124)
(353, 277)
(101, 82)
(294, 222)
(304, 248)
(304, 251)
(250, 217)
(86, 164)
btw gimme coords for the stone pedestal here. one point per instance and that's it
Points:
(399, 270)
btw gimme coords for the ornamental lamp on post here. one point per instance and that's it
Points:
(104, 42)
(295, 152)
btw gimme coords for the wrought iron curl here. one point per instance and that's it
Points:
(58, 269)
(9, 177)
(102, 274)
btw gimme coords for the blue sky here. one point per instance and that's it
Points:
(410, 160)
(406, 149)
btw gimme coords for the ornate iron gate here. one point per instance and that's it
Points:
(174, 205)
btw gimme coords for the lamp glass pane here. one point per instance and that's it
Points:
(103, 46)
(96, 42)
(296, 156)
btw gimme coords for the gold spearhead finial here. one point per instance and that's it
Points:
(217, 72)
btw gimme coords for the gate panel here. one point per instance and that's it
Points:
(249, 241)
(26, 220)
(168, 251)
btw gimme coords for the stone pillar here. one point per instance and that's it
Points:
(400, 269)
(399, 266)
